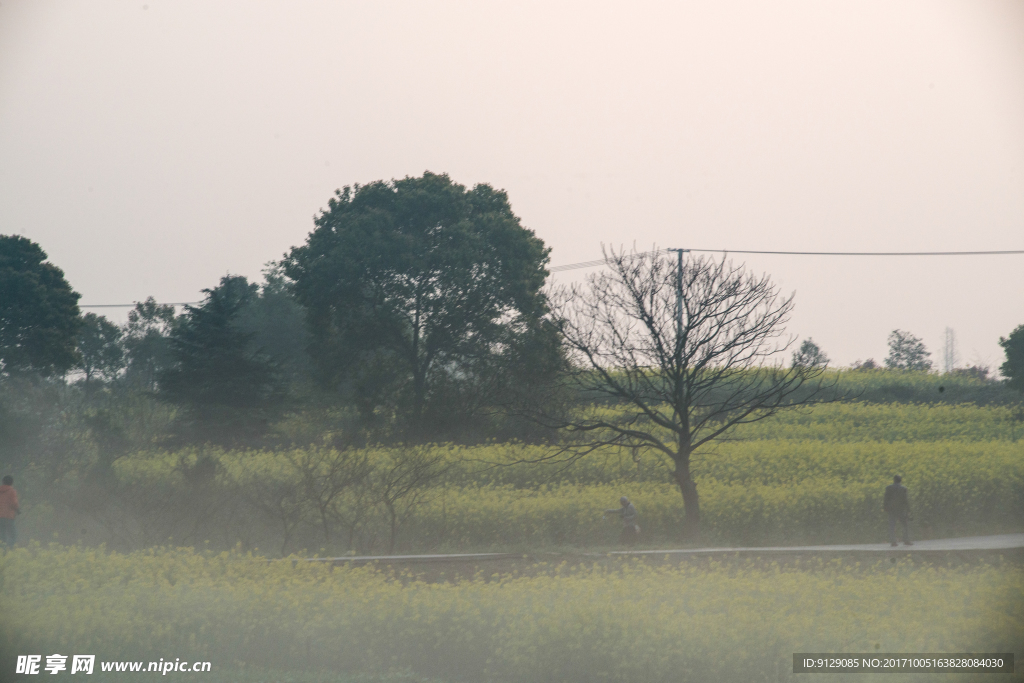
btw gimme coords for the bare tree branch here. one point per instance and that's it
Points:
(678, 357)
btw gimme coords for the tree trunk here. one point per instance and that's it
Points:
(419, 399)
(393, 518)
(691, 501)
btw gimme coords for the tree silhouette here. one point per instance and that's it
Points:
(683, 352)
(907, 352)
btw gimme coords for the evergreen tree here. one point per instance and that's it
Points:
(227, 388)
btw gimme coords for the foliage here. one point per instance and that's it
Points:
(895, 386)
(228, 389)
(276, 323)
(907, 352)
(34, 424)
(281, 500)
(632, 621)
(809, 355)
(99, 345)
(38, 311)
(413, 288)
(979, 372)
(60, 435)
(1013, 367)
(147, 343)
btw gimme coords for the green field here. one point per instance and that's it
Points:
(632, 621)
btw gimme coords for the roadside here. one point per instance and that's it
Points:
(455, 567)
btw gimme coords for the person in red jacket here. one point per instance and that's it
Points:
(8, 510)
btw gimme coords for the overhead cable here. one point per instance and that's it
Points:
(131, 305)
(601, 262)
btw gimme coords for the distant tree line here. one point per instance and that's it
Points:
(415, 312)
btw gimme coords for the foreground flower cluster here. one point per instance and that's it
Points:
(615, 622)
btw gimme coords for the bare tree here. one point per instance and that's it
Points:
(277, 493)
(326, 475)
(401, 481)
(685, 351)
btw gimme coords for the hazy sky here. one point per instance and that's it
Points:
(153, 146)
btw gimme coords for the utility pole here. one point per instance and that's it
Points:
(679, 299)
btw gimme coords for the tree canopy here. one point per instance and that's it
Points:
(1013, 367)
(100, 349)
(907, 352)
(809, 355)
(147, 344)
(38, 311)
(415, 286)
(228, 389)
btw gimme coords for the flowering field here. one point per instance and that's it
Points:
(631, 621)
(809, 476)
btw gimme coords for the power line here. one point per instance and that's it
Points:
(131, 305)
(867, 253)
(601, 262)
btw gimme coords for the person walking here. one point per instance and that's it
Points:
(630, 528)
(8, 510)
(897, 506)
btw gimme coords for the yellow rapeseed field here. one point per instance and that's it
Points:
(809, 476)
(628, 622)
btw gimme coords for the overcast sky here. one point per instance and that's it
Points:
(153, 146)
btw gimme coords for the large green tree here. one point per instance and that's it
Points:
(38, 311)
(226, 387)
(1013, 367)
(414, 290)
(99, 348)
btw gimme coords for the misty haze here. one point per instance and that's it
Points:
(457, 342)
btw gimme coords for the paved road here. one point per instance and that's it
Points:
(464, 557)
(1000, 542)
